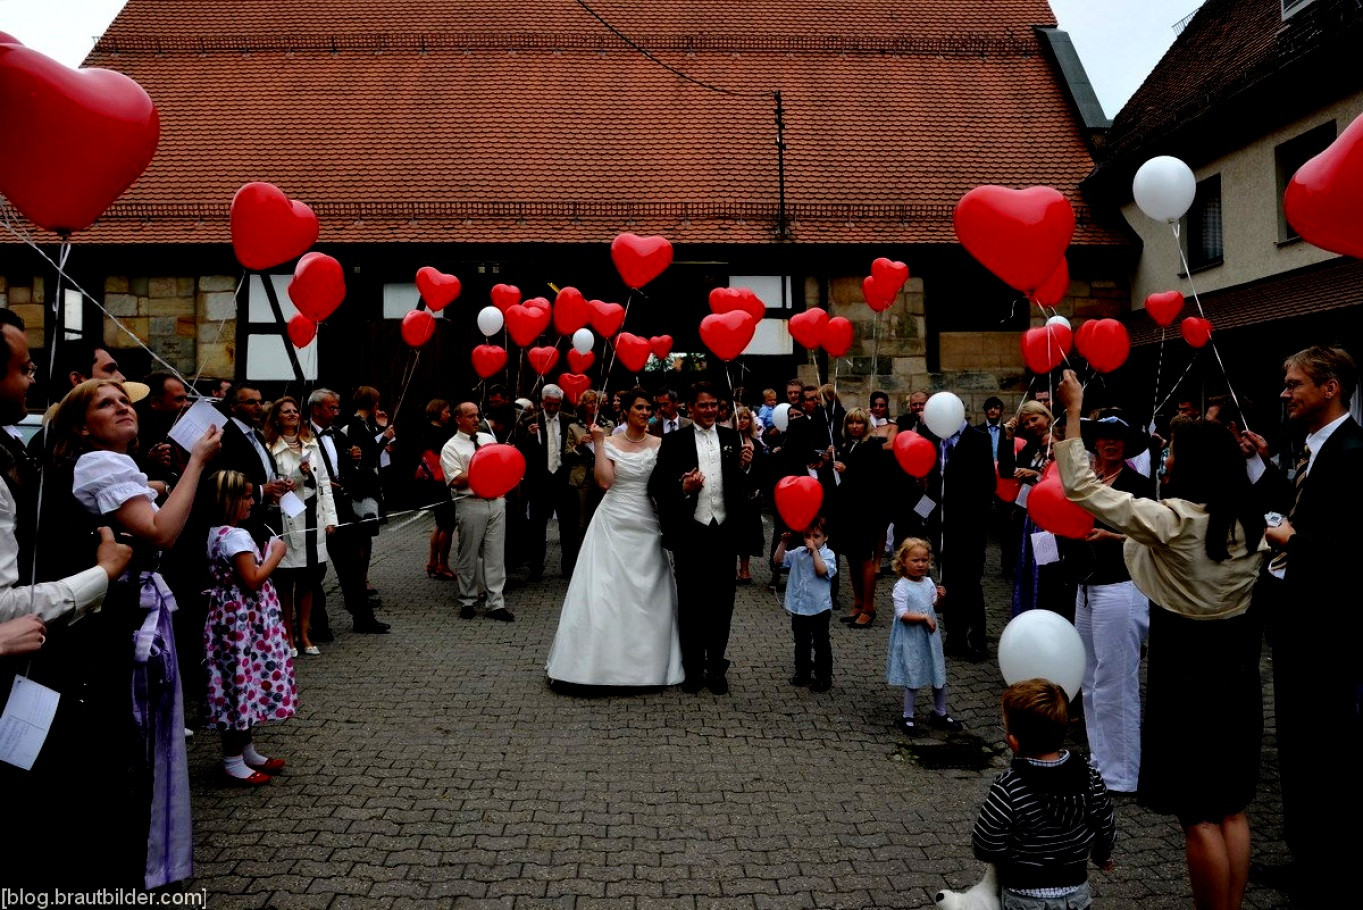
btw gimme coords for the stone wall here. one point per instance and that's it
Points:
(189, 321)
(974, 365)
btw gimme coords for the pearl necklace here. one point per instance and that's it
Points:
(634, 439)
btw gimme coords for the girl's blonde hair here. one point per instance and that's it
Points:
(229, 491)
(909, 544)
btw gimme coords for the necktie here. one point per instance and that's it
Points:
(473, 437)
(1278, 564)
(671, 425)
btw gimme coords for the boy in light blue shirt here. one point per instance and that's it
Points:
(809, 601)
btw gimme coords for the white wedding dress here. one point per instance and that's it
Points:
(619, 621)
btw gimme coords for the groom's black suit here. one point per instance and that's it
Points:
(703, 554)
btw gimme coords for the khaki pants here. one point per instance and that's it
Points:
(482, 535)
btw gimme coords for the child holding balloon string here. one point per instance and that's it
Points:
(916, 658)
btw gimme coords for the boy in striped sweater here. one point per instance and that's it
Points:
(1048, 812)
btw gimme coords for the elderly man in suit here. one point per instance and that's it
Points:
(1316, 629)
(699, 486)
(543, 440)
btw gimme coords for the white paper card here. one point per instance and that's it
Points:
(194, 423)
(24, 725)
(291, 505)
(1044, 548)
(925, 506)
(1023, 492)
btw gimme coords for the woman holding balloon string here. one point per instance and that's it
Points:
(1035, 585)
(1196, 555)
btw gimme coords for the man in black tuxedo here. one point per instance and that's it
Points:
(699, 486)
(1316, 626)
(543, 440)
(958, 526)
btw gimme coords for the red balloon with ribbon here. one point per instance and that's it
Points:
(78, 138)
(837, 336)
(661, 345)
(729, 300)
(418, 327)
(505, 296)
(1196, 330)
(571, 311)
(573, 385)
(889, 277)
(318, 286)
(1052, 511)
(580, 361)
(727, 334)
(632, 350)
(268, 228)
(1325, 195)
(526, 323)
(542, 359)
(495, 469)
(606, 318)
(808, 328)
(488, 360)
(1164, 307)
(1019, 235)
(798, 500)
(1044, 348)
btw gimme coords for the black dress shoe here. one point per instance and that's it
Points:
(692, 684)
(468, 612)
(371, 628)
(798, 680)
(501, 614)
(820, 685)
(719, 685)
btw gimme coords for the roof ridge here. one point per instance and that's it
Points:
(963, 43)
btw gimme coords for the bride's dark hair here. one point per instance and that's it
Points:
(628, 398)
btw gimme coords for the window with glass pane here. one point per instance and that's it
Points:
(1290, 156)
(1202, 234)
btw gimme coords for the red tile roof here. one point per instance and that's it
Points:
(482, 120)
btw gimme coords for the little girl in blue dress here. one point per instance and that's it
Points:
(916, 657)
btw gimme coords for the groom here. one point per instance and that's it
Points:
(698, 485)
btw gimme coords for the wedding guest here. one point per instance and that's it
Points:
(809, 601)
(92, 432)
(431, 490)
(299, 459)
(543, 440)
(860, 510)
(1034, 585)
(581, 455)
(1196, 554)
(751, 541)
(480, 522)
(916, 657)
(369, 441)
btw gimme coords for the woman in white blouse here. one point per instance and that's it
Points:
(95, 426)
(298, 455)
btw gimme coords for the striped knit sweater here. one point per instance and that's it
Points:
(1041, 821)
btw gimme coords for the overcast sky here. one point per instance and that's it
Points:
(1118, 40)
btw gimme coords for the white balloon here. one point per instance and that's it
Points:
(943, 414)
(1059, 320)
(780, 416)
(1164, 188)
(1039, 643)
(583, 340)
(490, 320)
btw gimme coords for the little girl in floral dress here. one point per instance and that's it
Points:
(250, 672)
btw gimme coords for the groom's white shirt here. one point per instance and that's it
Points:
(710, 502)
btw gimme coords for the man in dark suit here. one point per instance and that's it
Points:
(667, 416)
(543, 440)
(244, 449)
(1316, 627)
(961, 487)
(698, 484)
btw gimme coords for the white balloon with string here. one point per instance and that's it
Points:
(1040, 644)
(943, 414)
(490, 320)
(1059, 320)
(1164, 188)
(583, 340)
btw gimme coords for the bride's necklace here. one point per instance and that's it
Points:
(639, 438)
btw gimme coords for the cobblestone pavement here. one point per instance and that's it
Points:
(434, 767)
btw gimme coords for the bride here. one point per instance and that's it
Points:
(618, 626)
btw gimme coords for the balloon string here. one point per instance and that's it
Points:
(606, 376)
(1159, 375)
(222, 323)
(408, 376)
(1188, 275)
(1174, 388)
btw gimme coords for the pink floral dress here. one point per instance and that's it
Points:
(250, 672)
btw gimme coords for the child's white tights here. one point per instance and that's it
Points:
(939, 701)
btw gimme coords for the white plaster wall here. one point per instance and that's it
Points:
(1249, 199)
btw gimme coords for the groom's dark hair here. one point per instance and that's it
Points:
(703, 387)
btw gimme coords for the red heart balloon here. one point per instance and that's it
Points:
(268, 228)
(417, 327)
(495, 469)
(727, 334)
(606, 317)
(640, 259)
(579, 362)
(573, 385)
(436, 288)
(661, 346)
(78, 138)
(1196, 330)
(807, 328)
(1044, 348)
(727, 300)
(542, 359)
(875, 297)
(915, 455)
(1005, 488)
(571, 311)
(505, 296)
(1164, 307)
(1051, 511)
(889, 275)
(1325, 195)
(837, 338)
(537, 303)
(488, 359)
(1104, 343)
(301, 330)
(526, 323)
(1019, 235)
(798, 499)
(1054, 288)
(318, 286)
(632, 350)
